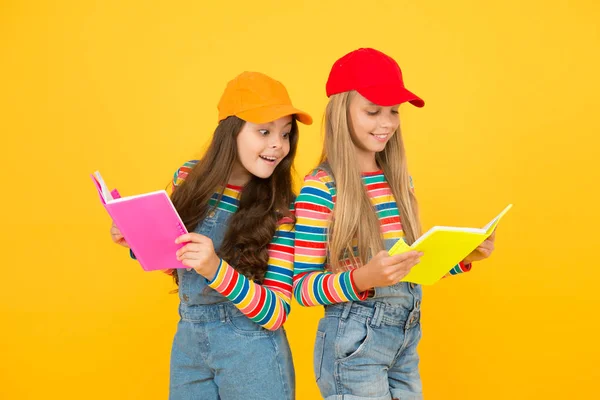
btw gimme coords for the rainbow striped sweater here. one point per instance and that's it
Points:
(314, 284)
(268, 304)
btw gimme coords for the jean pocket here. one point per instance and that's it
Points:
(354, 339)
(318, 354)
(244, 326)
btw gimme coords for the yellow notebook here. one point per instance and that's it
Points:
(443, 248)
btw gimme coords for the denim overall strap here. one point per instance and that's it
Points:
(193, 288)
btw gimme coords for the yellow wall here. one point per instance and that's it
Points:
(130, 89)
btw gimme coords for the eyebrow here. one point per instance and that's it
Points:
(272, 123)
(371, 104)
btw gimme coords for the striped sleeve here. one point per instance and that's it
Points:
(268, 304)
(181, 174)
(460, 268)
(312, 284)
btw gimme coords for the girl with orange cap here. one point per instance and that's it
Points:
(237, 264)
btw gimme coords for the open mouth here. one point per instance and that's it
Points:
(381, 138)
(269, 159)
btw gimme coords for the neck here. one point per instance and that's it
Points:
(239, 175)
(366, 161)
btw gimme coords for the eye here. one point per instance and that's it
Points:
(395, 112)
(263, 132)
(286, 135)
(372, 113)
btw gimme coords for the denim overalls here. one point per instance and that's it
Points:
(218, 352)
(369, 348)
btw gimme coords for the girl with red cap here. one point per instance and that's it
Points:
(350, 211)
(236, 277)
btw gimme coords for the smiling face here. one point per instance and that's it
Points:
(260, 148)
(372, 125)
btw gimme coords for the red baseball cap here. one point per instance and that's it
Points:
(373, 74)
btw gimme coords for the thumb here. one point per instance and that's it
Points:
(382, 254)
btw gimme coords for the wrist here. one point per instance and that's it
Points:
(210, 268)
(361, 279)
(213, 268)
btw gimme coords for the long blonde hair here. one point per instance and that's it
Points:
(353, 213)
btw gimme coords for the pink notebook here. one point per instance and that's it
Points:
(149, 223)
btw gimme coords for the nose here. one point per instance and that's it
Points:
(387, 121)
(276, 142)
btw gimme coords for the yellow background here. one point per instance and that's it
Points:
(130, 88)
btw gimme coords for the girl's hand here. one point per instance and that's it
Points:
(198, 253)
(482, 252)
(385, 270)
(116, 236)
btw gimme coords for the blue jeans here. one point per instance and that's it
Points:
(368, 350)
(218, 353)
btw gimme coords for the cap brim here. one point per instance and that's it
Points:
(390, 96)
(265, 114)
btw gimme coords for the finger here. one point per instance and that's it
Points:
(484, 251)
(188, 237)
(195, 243)
(402, 272)
(398, 258)
(192, 237)
(189, 248)
(188, 263)
(382, 253)
(410, 264)
(487, 246)
(406, 264)
(190, 255)
(493, 235)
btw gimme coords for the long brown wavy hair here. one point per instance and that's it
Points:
(262, 202)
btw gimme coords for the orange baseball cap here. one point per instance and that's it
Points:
(257, 98)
